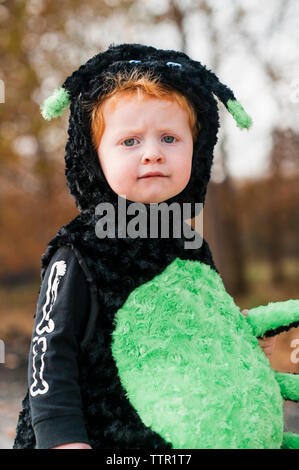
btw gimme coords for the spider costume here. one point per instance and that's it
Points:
(166, 360)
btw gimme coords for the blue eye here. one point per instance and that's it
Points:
(132, 140)
(171, 136)
(128, 140)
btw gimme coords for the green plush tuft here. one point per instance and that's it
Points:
(290, 441)
(289, 385)
(55, 104)
(190, 365)
(275, 314)
(239, 114)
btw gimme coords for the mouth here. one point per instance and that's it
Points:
(154, 174)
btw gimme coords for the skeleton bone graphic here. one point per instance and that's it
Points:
(46, 325)
(39, 385)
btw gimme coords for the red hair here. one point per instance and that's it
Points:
(141, 85)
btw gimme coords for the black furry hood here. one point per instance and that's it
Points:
(116, 267)
(85, 179)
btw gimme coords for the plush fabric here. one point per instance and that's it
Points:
(289, 385)
(191, 366)
(191, 330)
(290, 441)
(273, 317)
(55, 104)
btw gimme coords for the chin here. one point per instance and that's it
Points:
(156, 200)
(153, 198)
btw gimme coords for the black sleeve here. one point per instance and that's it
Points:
(60, 321)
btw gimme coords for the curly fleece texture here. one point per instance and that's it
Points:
(290, 441)
(191, 366)
(273, 316)
(56, 103)
(239, 114)
(118, 266)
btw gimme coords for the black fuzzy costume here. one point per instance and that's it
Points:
(114, 267)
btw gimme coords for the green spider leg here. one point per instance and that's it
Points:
(270, 320)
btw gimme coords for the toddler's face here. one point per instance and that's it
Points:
(152, 135)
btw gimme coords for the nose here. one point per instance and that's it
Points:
(152, 156)
(152, 159)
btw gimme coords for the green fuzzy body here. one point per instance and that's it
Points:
(191, 366)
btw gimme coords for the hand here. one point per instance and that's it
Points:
(73, 445)
(267, 344)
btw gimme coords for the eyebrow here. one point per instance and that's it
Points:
(139, 131)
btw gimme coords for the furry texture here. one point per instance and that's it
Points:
(273, 316)
(116, 267)
(290, 441)
(191, 366)
(54, 106)
(85, 178)
(289, 385)
(241, 117)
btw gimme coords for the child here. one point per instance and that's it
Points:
(134, 110)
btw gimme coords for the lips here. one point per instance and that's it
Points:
(153, 173)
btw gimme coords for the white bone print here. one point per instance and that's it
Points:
(39, 385)
(46, 325)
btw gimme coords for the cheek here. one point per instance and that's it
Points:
(183, 170)
(121, 173)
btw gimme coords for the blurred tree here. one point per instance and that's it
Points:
(228, 239)
(284, 162)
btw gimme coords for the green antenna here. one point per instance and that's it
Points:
(239, 114)
(54, 105)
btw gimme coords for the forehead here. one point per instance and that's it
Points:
(134, 109)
